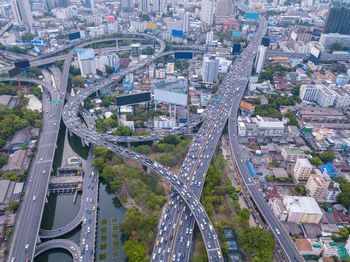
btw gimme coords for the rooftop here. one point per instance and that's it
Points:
(302, 204)
(292, 151)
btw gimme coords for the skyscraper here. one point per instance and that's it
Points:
(128, 6)
(185, 22)
(338, 21)
(39, 5)
(207, 12)
(160, 6)
(90, 4)
(22, 13)
(259, 62)
(210, 68)
(145, 6)
(224, 12)
(51, 4)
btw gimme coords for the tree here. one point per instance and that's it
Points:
(172, 139)
(123, 131)
(100, 151)
(27, 37)
(136, 251)
(99, 164)
(344, 197)
(328, 156)
(12, 206)
(109, 69)
(74, 71)
(316, 161)
(3, 160)
(300, 190)
(78, 81)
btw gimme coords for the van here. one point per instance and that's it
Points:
(188, 244)
(26, 247)
(161, 240)
(34, 197)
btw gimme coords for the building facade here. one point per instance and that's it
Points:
(302, 169)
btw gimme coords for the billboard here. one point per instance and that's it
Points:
(151, 25)
(236, 33)
(265, 41)
(110, 18)
(170, 97)
(99, 72)
(15, 71)
(73, 36)
(183, 55)
(252, 15)
(177, 33)
(133, 99)
(22, 63)
(236, 49)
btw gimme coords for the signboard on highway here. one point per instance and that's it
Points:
(15, 71)
(183, 55)
(133, 99)
(236, 33)
(252, 15)
(24, 63)
(177, 33)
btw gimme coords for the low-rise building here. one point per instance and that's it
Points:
(308, 247)
(246, 108)
(163, 122)
(330, 170)
(302, 210)
(291, 154)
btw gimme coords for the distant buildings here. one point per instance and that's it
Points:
(210, 68)
(86, 59)
(291, 154)
(160, 6)
(224, 12)
(259, 62)
(22, 12)
(320, 94)
(338, 21)
(145, 6)
(304, 210)
(135, 50)
(207, 12)
(247, 108)
(302, 169)
(90, 4)
(163, 122)
(128, 6)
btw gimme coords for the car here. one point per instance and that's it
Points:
(13, 259)
(88, 229)
(277, 231)
(72, 248)
(75, 255)
(81, 259)
(83, 241)
(93, 208)
(26, 247)
(87, 247)
(34, 197)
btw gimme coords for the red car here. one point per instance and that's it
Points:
(166, 239)
(95, 180)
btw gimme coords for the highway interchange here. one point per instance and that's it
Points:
(177, 222)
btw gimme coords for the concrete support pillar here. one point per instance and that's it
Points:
(82, 142)
(38, 240)
(128, 144)
(148, 170)
(70, 132)
(174, 110)
(170, 110)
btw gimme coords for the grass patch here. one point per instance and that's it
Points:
(115, 235)
(102, 256)
(115, 244)
(114, 254)
(104, 221)
(103, 238)
(103, 229)
(103, 246)
(114, 227)
(114, 219)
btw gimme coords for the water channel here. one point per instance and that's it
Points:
(60, 209)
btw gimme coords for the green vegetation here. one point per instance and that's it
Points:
(88, 104)
(34, 72)
(115, 219)
(3, 160)
(103, 246)
(124, 55)
(115, 235)
(135, 250)
(27, 37)
(103, 229)
(181, 64)
(17, 118)
(74, 71)
(300, 190)
(344, 197)
(274, 164)
(123, 131)
(292, 119)
(102, 256)
(339, 47)
(104, 221)
(328, 156)
(147, 51)
(114, 227)
(115, 244)
(12, 206)
(270, 69)
(316, 161)
(343, 235)
(109, 70)
(36, 91)
(103, 238)
(78, 81)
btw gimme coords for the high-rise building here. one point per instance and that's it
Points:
(160, 6)
(317, 186)
(209, 38)
(128, 6)
(210, 69)
(320, 94)
(260, 59)
(224, 12)
(135, 50)
(90, 4)
(338, 21)
(22, 13)
(39, 5)
(86, 59)
(207, 12)
(145, 6)
(302, 169)
(51, 4)
(185, 18)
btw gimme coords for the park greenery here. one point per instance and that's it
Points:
(221, 203)
(15, 49)
(300, 190)
(78, 81)
(147, 197)
(17, 118)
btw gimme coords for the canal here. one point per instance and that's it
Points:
(60, 209)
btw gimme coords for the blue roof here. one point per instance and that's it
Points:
(251, 169)
(329, 168)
